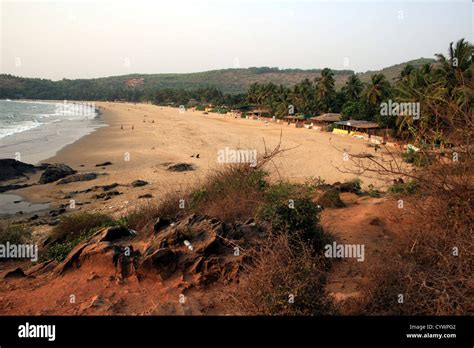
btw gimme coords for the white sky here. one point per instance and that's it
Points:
(83, 39)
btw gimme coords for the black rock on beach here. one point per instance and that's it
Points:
(10, 169)
(55, 172)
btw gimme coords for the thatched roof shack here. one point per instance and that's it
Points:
(293, 119)
(370, 128)
(258, 113)
(326, 119)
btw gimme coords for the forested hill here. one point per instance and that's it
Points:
(145, 85)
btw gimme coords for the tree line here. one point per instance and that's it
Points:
(430, 85)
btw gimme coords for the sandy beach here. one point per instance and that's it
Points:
(162, 136)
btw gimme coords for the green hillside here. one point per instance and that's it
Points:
(393, 71)
(230, 81)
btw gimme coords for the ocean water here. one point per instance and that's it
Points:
(31, 131)
(22, 116)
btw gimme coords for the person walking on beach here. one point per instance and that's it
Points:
(133, 127)
(121, 126)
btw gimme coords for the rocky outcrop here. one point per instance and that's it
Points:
(105, 243)
(55, 172)
(11, 169)
(6, 188)
(196, 250)
(78, 177)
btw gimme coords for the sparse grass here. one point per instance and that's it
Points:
(14, 233)
(72, 226)
(229, 194)
(72, 230)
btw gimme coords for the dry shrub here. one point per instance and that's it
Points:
(230, 193)
(282, 267)
(14, 233)
(75, 225)
(423, 266)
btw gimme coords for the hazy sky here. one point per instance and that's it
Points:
(83, 39)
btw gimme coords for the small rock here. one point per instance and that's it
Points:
(138, 183)
(57, 212)
(181, 167)
(34, 217)
(104, 164)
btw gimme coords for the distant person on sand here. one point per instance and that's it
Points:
(121, 126)
(133, 127)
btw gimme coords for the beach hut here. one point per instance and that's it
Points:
(297, 120)
(357, 128)
(257, 113)
(322, 122)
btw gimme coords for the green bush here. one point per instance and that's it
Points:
(417, 158)
(290, 208)
(404, 188)
(59, 251)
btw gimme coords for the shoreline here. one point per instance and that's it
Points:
(35, 145)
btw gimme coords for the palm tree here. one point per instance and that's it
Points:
(353, 88)
(377, 90)
(405, 73)
(302, 97)
(325, 88)
(457, 71)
